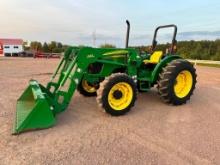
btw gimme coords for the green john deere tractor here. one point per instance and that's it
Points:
(113, 75)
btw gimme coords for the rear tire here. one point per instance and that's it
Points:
(177, 82)
(117, 94)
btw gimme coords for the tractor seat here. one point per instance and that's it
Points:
(154, 58)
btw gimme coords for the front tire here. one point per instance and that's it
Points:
(117, 94)
(177, 82)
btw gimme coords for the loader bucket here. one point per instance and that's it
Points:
(33, 110)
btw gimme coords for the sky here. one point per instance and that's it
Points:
(75, 22)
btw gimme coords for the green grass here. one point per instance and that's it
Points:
(209, 65)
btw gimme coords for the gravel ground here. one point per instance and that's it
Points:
(152, 133)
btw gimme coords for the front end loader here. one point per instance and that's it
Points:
(112, 75)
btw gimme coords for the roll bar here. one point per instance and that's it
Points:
(174, 41)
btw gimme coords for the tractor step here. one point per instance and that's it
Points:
(144, 86)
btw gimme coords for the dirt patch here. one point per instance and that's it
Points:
(152, 133)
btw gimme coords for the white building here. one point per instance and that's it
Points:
(11, 47)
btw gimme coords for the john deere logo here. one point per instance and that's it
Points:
(90, 56)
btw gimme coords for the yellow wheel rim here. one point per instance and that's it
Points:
(183, 84)
(124, 98)
(88, 88)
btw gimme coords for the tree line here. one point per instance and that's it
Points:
(51, 47)
(201, 50)
(54, 47)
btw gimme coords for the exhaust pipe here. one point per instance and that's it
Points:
(128, 34)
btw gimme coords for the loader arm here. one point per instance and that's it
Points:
(71, 70)
(38, 105)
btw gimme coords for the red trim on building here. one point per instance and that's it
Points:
(11, 41)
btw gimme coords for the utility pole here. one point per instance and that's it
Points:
(94, 38)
